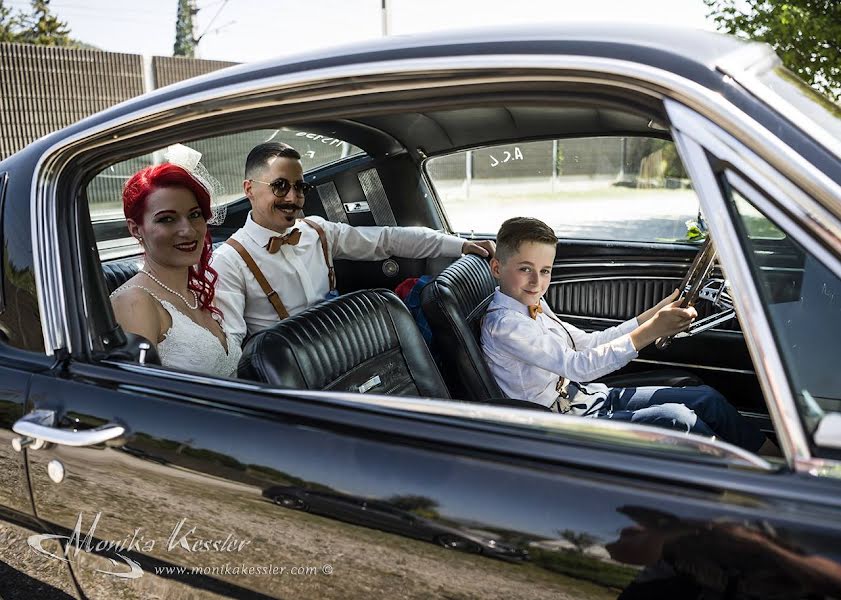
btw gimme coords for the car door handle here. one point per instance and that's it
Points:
(39, 425)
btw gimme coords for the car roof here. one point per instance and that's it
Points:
(687, 52)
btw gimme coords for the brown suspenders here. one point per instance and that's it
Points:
(331, 274)
(270, 293)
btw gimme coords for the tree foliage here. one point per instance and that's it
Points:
(38, 26)
(580, 540)
(8, 24)
(43, 28)
(806, 34)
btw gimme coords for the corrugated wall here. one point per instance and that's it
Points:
(172, 69)
(43, 89)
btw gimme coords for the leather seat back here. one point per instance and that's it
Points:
(454, 304)
(117, 272)
(362, 341)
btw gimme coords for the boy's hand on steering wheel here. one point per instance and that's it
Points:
(672, 319)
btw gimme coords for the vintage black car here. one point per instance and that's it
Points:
(124, 479)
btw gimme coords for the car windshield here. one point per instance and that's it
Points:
(631, 188)
(824, 114)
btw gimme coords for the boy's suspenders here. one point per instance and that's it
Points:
(270, 293)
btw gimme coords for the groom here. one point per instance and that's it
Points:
(276, 265)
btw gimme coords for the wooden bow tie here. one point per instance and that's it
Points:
(292, 238)
(534, 311)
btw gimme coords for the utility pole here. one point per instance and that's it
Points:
(185, 38)
(384, 10)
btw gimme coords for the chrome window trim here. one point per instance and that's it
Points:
(696, 366)
(786, 223)
(617, 321)
(744, 68)
(689, 126)
(791, 227)
(597, 429)
(617, 277)
(49, 282)
(806, 212)
(494, 68)
(647, 265)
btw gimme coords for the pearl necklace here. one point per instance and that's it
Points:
(172, 291)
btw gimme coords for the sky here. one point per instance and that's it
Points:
(249, 30)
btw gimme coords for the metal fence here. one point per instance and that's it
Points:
(43, 88)
(588, 157)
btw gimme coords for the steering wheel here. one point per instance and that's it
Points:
(697, 285)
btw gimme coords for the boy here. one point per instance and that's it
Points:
(534, 356)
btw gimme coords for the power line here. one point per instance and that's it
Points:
(218, 12)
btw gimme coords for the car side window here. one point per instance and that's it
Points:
(610, 188)
(222, 156)
(803, 299)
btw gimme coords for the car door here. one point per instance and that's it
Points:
(23, 572)
(174, 506)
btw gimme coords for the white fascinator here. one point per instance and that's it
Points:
(189, 159)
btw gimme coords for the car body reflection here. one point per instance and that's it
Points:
(385, 516)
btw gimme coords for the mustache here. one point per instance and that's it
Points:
(287, 206)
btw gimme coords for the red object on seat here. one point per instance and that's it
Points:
(405, 287)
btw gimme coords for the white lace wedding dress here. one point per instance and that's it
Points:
(190, 347)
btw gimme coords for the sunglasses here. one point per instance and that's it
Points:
(280, 187)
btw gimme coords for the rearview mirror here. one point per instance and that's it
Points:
(828, 432)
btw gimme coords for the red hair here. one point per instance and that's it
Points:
(201, 278)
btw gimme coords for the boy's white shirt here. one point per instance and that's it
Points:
(298, 273)
(526, 356)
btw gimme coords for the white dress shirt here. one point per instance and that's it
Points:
(526, 356)
(298, 273)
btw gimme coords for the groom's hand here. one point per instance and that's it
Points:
(485, 248)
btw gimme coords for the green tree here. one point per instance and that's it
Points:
(8, 24)
(581, 541)
(419, 505)
(43, 28)
(185, 41)
(806, 34)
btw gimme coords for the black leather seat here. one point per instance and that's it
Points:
(361, 341)
(117, 272)
(454, 303)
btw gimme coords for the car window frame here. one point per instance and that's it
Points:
(4, 179)
(52, 174)
(789, 227)
(602, 433)
(708, 151)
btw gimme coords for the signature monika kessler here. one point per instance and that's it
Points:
(182, 538)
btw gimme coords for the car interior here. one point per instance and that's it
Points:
(431, 165)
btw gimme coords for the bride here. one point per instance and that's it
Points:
(170, 300)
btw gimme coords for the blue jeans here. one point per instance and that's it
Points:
(697, 409)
